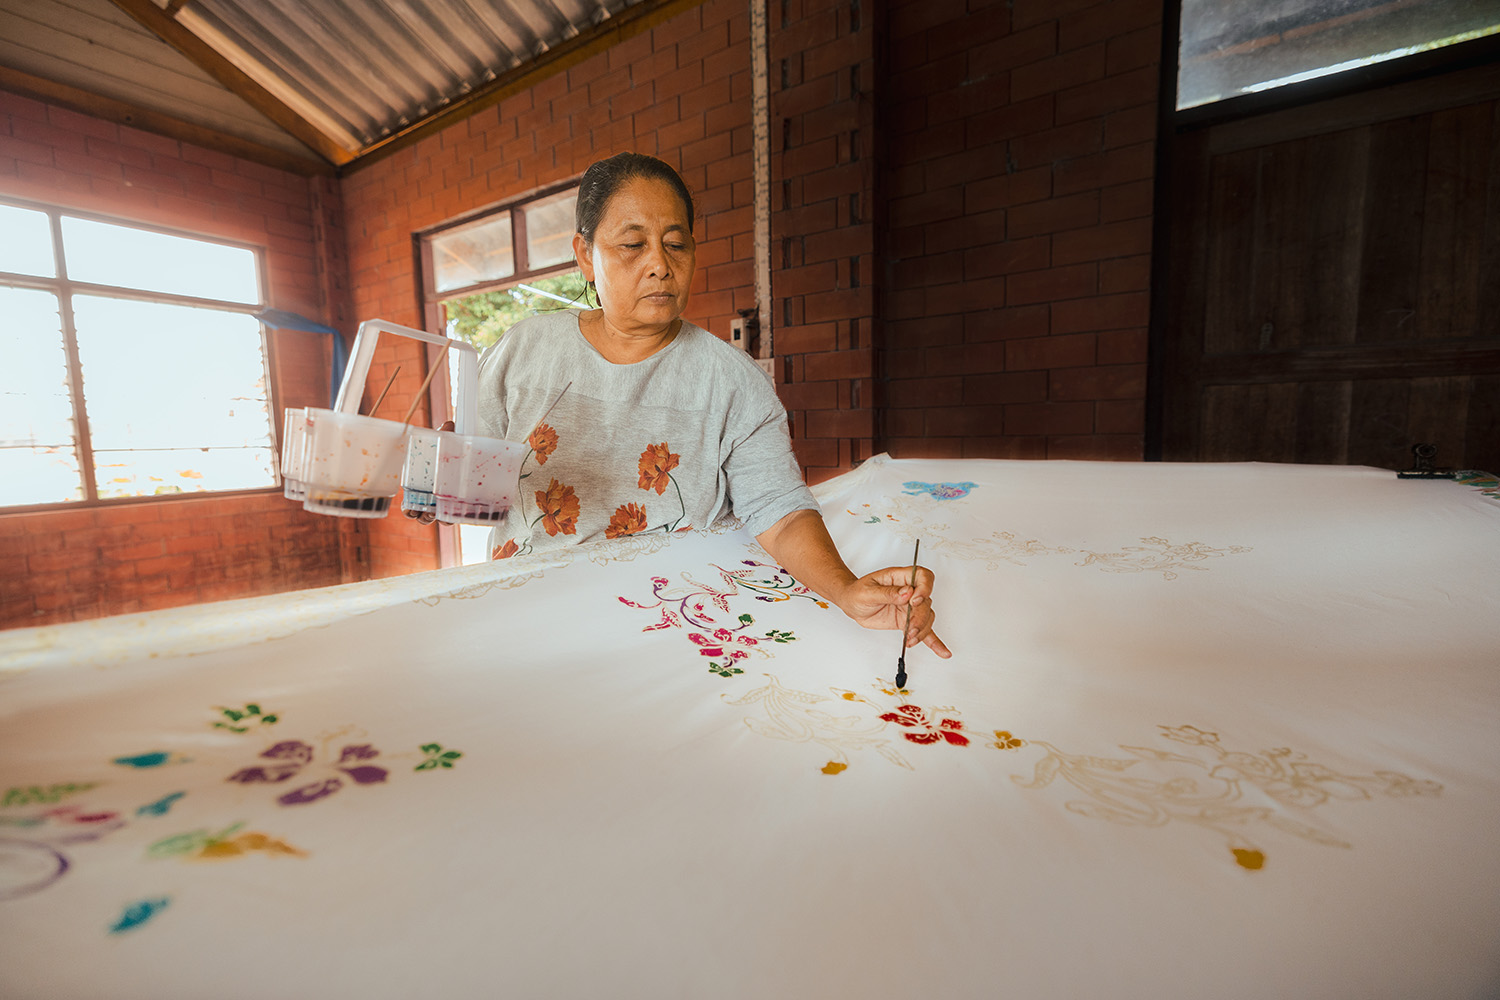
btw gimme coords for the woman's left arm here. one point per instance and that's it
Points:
(801, 544)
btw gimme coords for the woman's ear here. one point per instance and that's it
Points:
(583, 257)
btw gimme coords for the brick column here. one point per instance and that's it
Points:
(823, 197)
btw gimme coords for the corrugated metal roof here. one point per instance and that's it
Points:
(354, 72)
(362, 69)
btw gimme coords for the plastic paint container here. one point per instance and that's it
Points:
(352, 463)
(477, 478)
(295, 426)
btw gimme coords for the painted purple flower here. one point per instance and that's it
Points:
(293, 756)
(311, 793)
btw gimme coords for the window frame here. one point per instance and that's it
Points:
(1358, 79)
(65, 288)
(432, 300)
(516, 208)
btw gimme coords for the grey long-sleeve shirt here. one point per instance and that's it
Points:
(675, 441)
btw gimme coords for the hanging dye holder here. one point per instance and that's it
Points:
(349, 465)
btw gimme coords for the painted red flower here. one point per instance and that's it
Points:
(923, 731)
(559, 507)
(656, 461)
(505, 551)
(629, 518)
(543, 442)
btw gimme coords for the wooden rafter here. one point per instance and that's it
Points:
(208, 59)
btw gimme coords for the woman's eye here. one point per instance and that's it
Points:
(632, 246)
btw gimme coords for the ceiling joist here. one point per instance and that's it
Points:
(216, 65)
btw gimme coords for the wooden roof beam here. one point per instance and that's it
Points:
(241, 84)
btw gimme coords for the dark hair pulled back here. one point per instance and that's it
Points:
(604, 178)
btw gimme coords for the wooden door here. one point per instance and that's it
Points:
(1334, 285)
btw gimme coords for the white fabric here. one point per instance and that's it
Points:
(1221, 731)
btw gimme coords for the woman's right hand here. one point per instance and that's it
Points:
(427, 517)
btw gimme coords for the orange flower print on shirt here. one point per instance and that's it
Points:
(629, 518)
(505, 551)
(656, 461)
(559, 507)
(543, 442)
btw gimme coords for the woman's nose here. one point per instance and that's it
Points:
(657, 263)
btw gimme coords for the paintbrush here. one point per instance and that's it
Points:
(388, 383)
(560, 395)
(425, 383)
(901, 663)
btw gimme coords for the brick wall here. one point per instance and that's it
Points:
(63, 565)
(1019, 141)
(823, 233)
(680, 91)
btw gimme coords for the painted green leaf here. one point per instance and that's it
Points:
(431, 747)
(452, 755)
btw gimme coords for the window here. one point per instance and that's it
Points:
(484, 275)
(134, 365)
(1231, 49)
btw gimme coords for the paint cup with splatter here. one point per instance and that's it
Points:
(477, 478)
(294, 430)
(419, 474)
(352, 463)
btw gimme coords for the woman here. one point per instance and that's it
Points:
(662, 426)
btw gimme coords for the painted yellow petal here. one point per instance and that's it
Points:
(1253, 860)
(834, 767)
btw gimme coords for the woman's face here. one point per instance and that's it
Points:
(641, 261)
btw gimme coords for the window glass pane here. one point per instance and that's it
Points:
(549, 231)
(1228, 49)
(176, 397)
(156, 262)
(38, 460)
(26, 247)
(468, 256)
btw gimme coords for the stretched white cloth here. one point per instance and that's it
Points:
(1208, 730)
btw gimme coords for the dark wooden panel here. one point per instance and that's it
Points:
(1334, 296)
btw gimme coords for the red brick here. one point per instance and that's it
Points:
(1125, 201)
(1052, 285)
(925, 447)
(1109, 21)
(1060, 71)
(1052, 216)
(964, 359)
(1017, 119)
(1049, 418)
(1004, 387)
(838, 364)
(1101, 312)
(1100, 382)
(1096, 447)
(924, 392)
(1120, 239)
(1127, 274)
(926, 331)
(1020, 48)
(963, 421)
(840, 423)
(1122, 347)
(1062, 142)
(1134, 50)
(1007, 258)
(1015, 448)
(1075, 350)
(981, 326)
(1114, 93)
(1124, 416)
